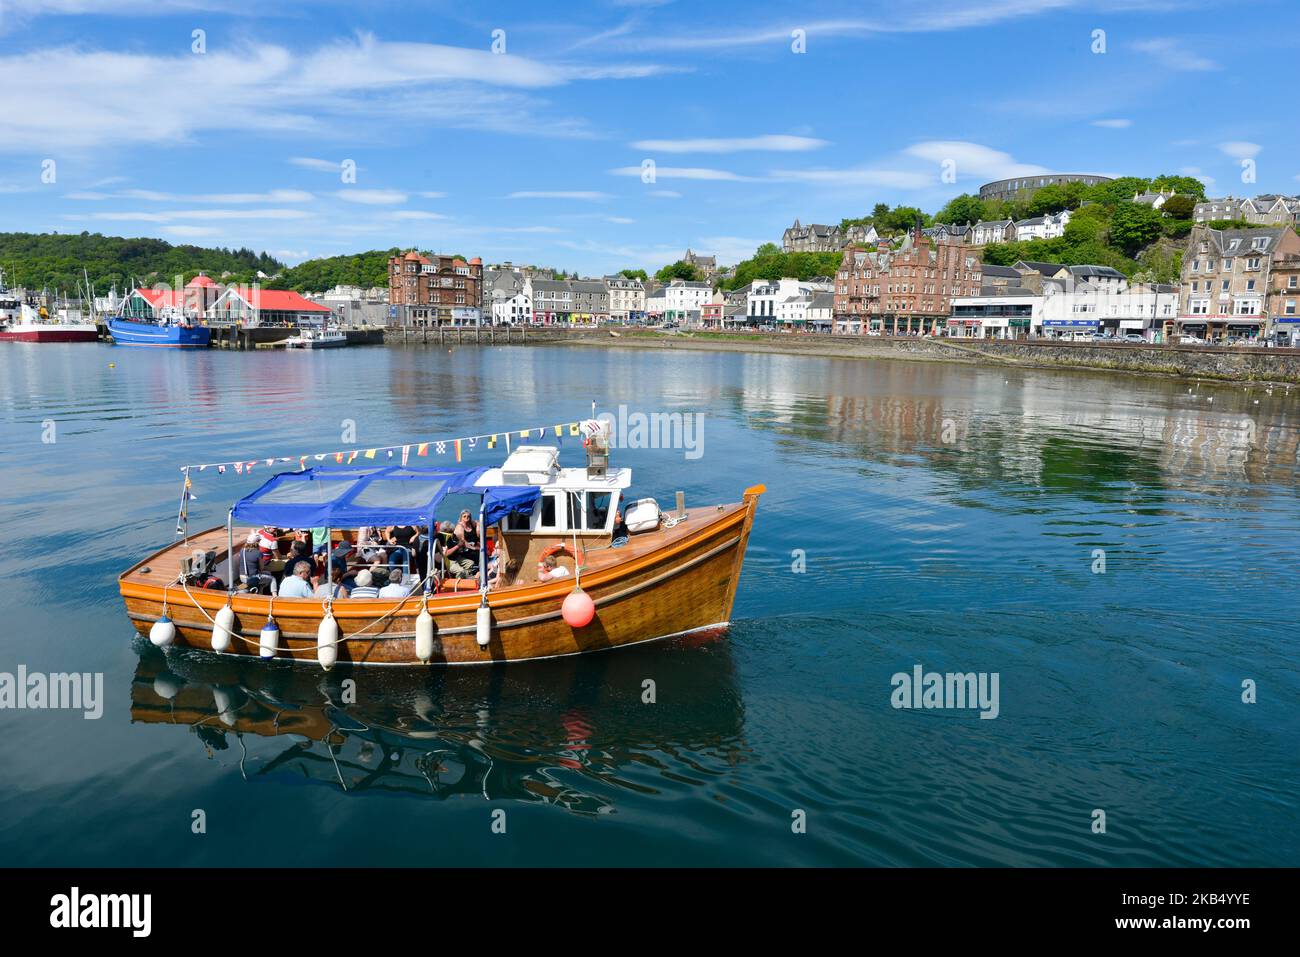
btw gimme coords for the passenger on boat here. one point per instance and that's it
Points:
(395, 588)
(462, 554)
(268, 541)
(551, 570)
(299, 551)
(319, 540)
(364, 588)
(367, 541)
(335, 589)
(251, 567)
(298, 583)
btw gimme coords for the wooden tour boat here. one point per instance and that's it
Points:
(676, 575)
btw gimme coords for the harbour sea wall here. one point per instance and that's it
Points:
(1229, 364)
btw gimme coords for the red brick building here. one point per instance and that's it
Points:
(442, 290)
(908, 290)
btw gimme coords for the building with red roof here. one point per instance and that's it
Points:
(255, 306)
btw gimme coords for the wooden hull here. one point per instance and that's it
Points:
(683, 580)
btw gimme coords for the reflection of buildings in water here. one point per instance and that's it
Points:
(1004, 432)
(525, 733)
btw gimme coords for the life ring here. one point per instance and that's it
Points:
(579, 559)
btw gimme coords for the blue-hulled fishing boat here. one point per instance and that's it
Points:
(133, 332)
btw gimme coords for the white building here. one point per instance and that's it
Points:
(515, 311)
(763, 304)
(626, 299)
(1101, 309)
(1043, 227)
(684, 300)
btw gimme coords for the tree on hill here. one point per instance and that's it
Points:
(1179, 207)
(960, 210)
(1055, 197)
(634, 274)
(1120, 190)
(1183, 185)
(1133, 227)
(678, 270)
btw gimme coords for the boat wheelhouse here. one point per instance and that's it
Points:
(669, 574)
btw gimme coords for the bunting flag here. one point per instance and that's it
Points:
(458, 445)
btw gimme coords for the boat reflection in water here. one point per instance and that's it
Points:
(570, 732)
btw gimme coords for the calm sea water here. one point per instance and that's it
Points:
(948, 516)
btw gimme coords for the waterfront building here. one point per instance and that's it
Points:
(656, 303)
(764, 298)
(515, 311)
(355, 306)
(1284, 300)
(684, 300)
(438, 290)
(552, 300)
(626, 299)
(908, 290)
(1227, 280)
(590, 301)
(253, 306)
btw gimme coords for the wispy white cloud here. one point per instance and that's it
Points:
(972, 160)
(416, 214)
(665, 194)
(86, 98)
(685, 172)
(371, 197)
(1113, 124)
(1240, 149)
(139, 216)
(859, 176)
(1171, 54)
(271, 196)
(578, 194)
(620, 220)
(776, 143)
(315, 163)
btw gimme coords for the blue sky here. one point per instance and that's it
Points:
(536, 154)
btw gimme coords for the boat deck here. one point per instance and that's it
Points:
(164, 567)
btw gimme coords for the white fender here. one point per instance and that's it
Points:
(269, 642)
(163, 632)
(327, 642)
(223, 629)
(424, 635)
(483, 625)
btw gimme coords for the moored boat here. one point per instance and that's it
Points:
(663, 575)
(165, 334)
(29, 326)
(317, 339)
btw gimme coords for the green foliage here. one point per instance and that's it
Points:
(678, 270)
(55, 261)
(960, 210)
(1182, 185)
(1179, 207)
(1133, 226)
(317, 275)
(1057, 196)
(635, 274)
(770, 263)
(1117, 191)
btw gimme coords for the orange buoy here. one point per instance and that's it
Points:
(578, 609)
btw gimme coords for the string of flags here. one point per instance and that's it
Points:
(457, 447)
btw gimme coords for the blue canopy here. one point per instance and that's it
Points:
(348, 496)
